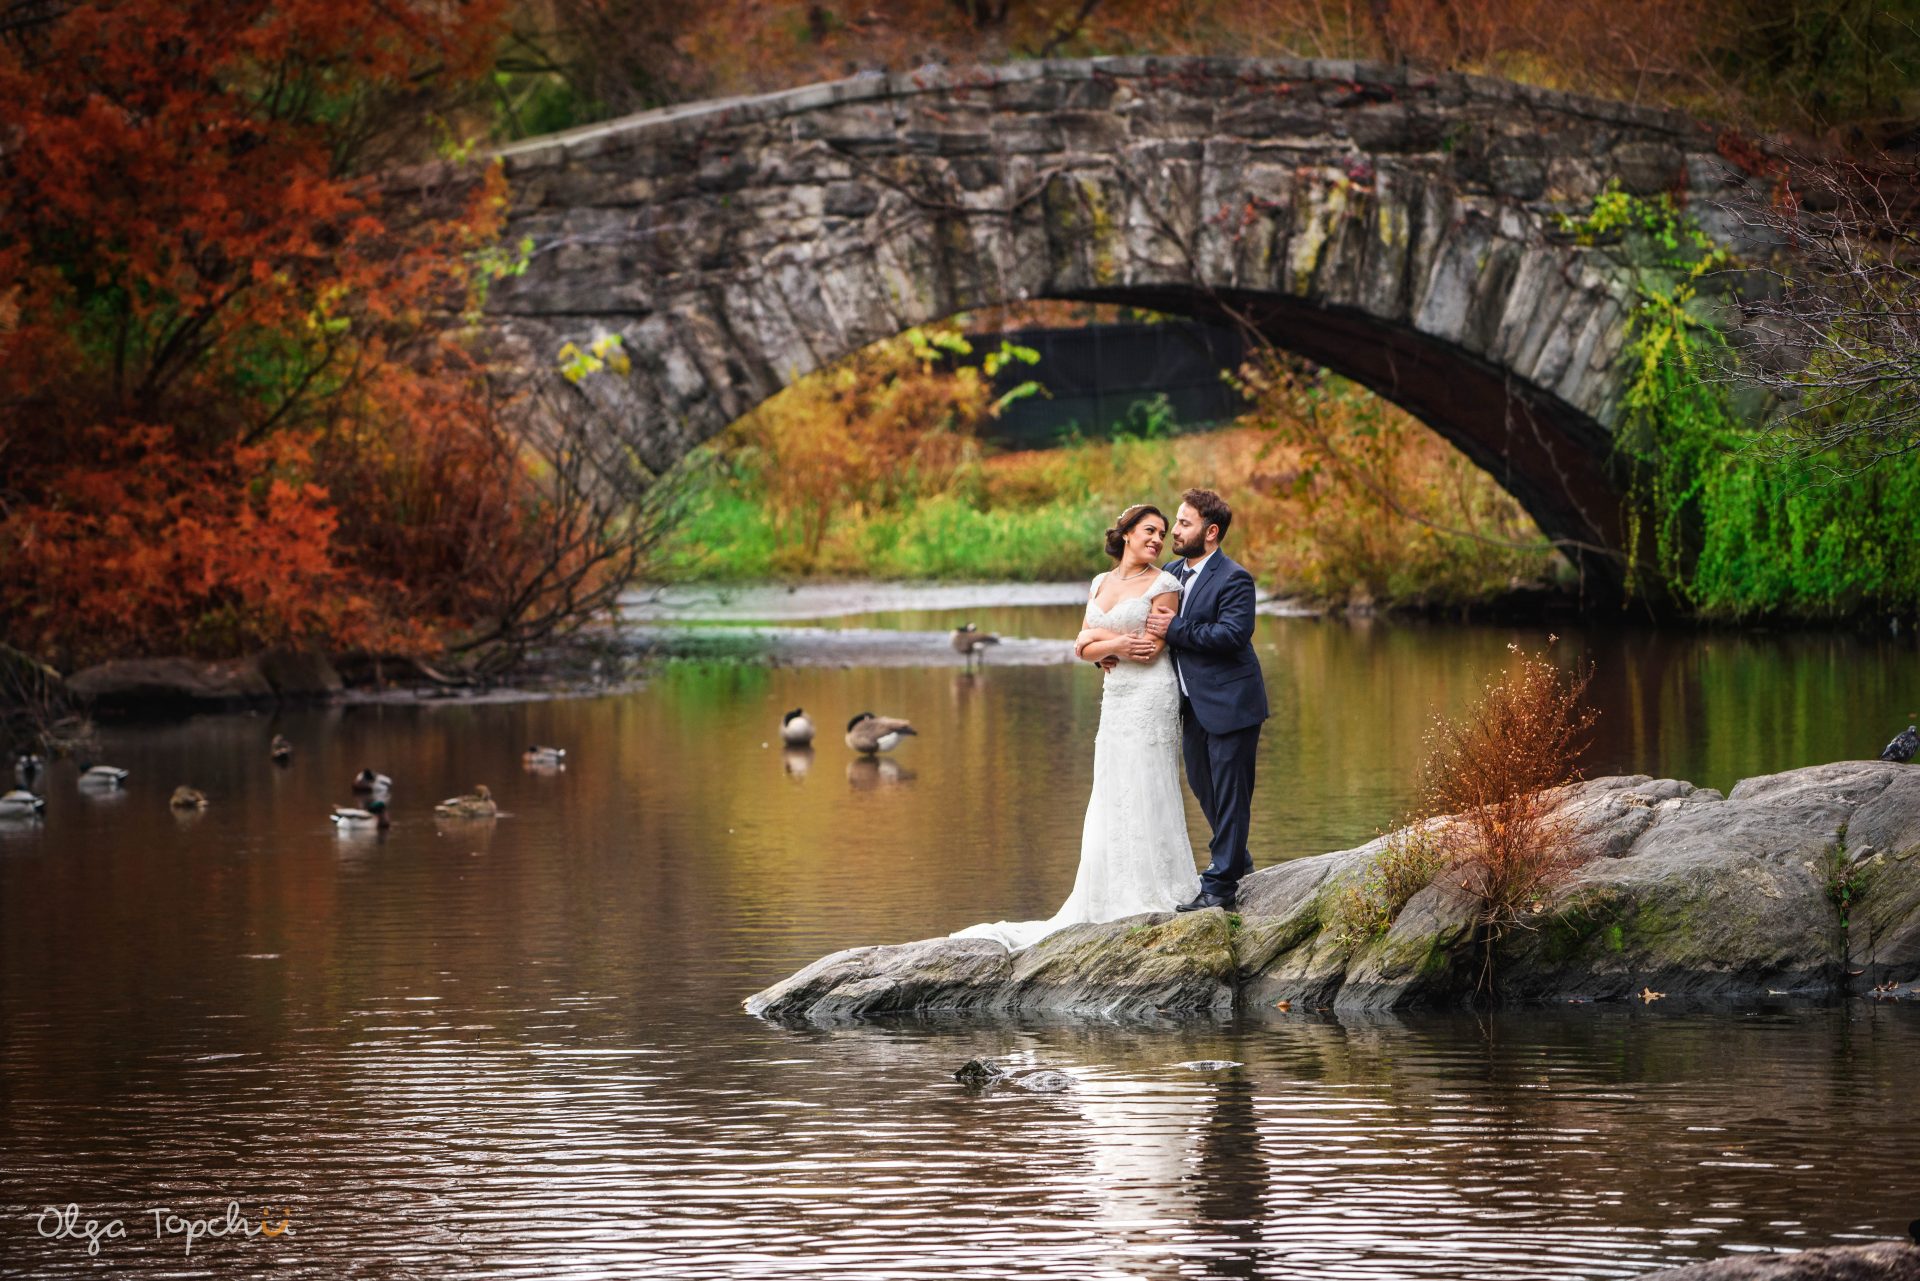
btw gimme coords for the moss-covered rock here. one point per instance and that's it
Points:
(1687, 892)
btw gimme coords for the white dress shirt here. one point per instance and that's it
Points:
(1193, 576)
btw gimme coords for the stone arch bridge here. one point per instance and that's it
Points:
(1396, 228)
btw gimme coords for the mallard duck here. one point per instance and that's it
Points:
(92, 775)
(188, 798)
(27, 767)
(970, 642)
(369, 781)
(869, 733)
(1903, 746)
(21, 804)
(374, 817)
(796, 730)
(544, 756)
(280, 750)
(476, 804)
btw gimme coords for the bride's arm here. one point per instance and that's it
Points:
(1096, 643)
(1146, 647)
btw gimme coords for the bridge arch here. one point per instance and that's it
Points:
(1396, 228)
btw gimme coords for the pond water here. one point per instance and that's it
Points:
(518, 1050)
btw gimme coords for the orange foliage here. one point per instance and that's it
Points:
(211, 314)
(1662, 50)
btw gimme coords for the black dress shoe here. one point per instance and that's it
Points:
(1203, 900)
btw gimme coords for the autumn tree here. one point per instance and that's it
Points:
(237, 404)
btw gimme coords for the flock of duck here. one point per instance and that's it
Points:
(371, 815)
(870, 735)
(867, 734)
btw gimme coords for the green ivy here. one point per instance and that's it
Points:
(1726, 521)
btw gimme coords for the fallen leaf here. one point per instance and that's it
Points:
(1648, 995)
(1283, 1005)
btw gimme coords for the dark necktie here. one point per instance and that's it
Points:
(1183, 571)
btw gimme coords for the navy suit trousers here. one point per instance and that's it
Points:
(1220, 772)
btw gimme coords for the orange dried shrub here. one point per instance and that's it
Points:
(1496, 771)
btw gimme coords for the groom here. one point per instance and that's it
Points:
(1223, 697)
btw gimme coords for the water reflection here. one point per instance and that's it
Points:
(485, 1049)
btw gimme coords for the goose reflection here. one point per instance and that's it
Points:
(866, 773)
(798, 760)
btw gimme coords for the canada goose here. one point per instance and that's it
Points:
(280, 750)
(476, 804)
(796, 730)
(21, 804)
(27, 767)
(545, 756)
(369, 781)
(188, 798)
(92, 775)
(869, 733)
(1903, 746)
(971, 643)
(374, 817)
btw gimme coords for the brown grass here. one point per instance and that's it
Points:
(1496, 772)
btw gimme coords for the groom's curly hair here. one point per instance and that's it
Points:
(1212, 508)
(1118, 531)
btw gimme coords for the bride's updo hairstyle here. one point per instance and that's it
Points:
(1121, 527)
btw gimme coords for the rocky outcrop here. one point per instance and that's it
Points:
(1881, 1261)
(191, 684)
(1690, 894)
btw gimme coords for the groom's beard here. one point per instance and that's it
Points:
(1197, 547)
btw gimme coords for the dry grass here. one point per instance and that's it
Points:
(1367, 906)
(1509, 841)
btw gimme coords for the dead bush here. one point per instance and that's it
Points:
(1496, 773)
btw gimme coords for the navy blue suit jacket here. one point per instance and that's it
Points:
(1212, 645)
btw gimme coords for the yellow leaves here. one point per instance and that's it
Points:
(607, 351)
(1649, 996)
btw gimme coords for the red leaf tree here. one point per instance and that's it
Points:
(227, 358)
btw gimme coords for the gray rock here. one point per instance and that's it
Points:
(1045, 1081)
(141, 683)
(1209, 1065)
(1882, 1261)
(1688, 893)
(300, 673)
(979, 1072)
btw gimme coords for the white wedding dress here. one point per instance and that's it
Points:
(1134, 853)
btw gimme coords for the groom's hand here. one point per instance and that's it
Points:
(1108, 663)
(1157, 623)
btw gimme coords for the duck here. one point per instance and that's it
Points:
(92, 775)
(1903, 746)
(367, 780)
(476, 804)
(27, 767)
(550, 757)
(21, 804)
(280, 750)
(971, 643)
(796, 730)
(374, 817)
(868, 733)
(188, 798)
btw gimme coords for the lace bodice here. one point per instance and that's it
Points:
(1139, 700)
(1129, 615)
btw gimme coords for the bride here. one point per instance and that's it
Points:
(1134, 852)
